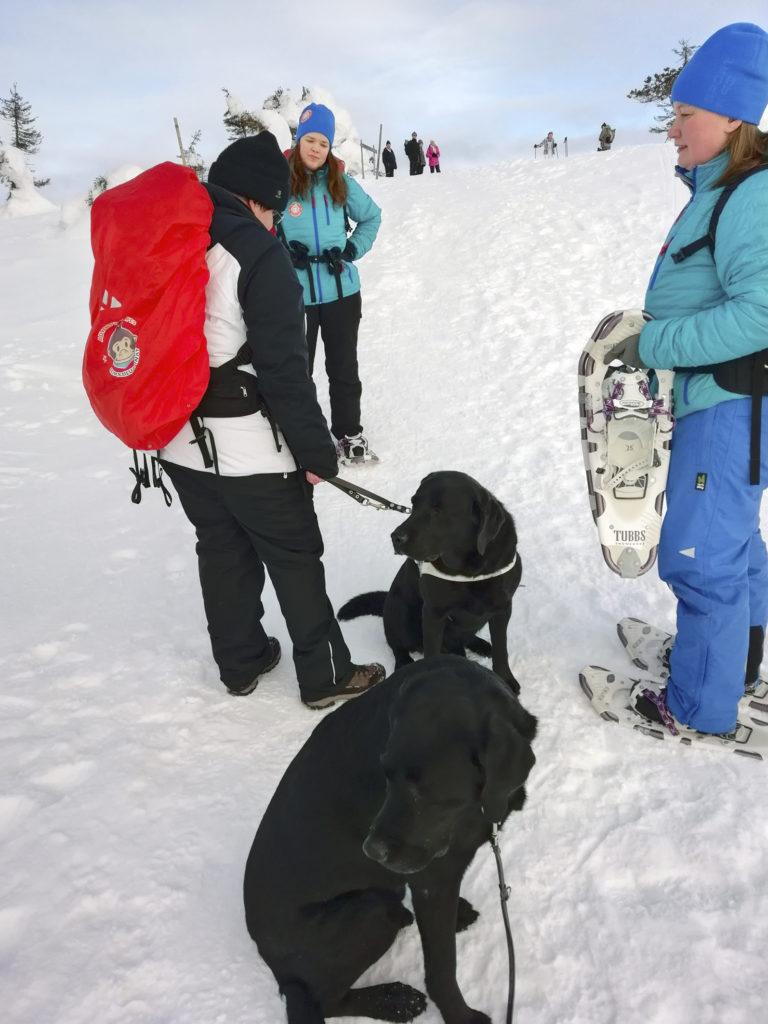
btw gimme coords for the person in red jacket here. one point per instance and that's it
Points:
(245, 480)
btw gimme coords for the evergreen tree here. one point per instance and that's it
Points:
(241, 123)
(18, 112)
(193, 158)
(24, 135)
(657, 88)
(100, 184)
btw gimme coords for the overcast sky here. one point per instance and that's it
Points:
(486, 79)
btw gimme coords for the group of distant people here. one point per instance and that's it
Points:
(548, 146)
(417, 158)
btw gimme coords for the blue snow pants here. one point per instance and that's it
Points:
(713, 557)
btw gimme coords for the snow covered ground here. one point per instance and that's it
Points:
(132, 784)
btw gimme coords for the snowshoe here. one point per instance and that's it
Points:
(610, 696)
(648, 648)
(354, 451)
(626, 427)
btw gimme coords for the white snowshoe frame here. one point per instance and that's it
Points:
(625, 435)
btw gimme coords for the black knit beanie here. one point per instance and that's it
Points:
(255, 168)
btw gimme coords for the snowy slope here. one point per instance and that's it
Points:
(132, 784)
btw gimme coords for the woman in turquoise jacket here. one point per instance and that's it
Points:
(323, 200)
(710, 314)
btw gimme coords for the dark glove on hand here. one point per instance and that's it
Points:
(350, 252)
(626, 352)
(333, 258)
(298, 253)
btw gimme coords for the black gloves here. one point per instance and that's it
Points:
(299, 254)
(626, 352)
(333, 258)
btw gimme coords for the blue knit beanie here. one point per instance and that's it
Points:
(317, 118)
(728, 74)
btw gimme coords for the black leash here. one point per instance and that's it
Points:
(366, 497)
(504, 891)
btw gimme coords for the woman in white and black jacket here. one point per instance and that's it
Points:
(245, 481)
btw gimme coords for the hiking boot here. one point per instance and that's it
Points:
(353, 448)
(648, 697)
(362, 678)
(273, 656)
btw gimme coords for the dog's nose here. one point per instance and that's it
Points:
(399, 537)
(376, 849)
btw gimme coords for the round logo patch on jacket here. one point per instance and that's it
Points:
(295, 208)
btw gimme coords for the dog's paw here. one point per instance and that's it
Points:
(394, 1001)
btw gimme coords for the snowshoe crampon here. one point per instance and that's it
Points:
(626, 429)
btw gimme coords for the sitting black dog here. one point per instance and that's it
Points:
(462, 570)
(399, 786)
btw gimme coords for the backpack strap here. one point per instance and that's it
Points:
(708, 240)
(301, 259)
(758, 390)
(231, 392)
(141, 473)
(757, 377)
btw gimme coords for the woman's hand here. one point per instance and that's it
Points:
(313, 479)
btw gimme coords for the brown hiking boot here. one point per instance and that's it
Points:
(363, 678)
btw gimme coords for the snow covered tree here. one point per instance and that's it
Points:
(657, 88)
(24, 135)
(193, 159)
(279, 114)
(18, 112)
(100, 184)
(240, 122)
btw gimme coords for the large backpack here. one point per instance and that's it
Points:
(145, 366)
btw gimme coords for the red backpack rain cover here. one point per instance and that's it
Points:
(146, 362)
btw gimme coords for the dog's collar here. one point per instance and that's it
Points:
(428, 569)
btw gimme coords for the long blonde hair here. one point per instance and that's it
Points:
(746, 147)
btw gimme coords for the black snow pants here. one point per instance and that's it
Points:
(245, 524)
(338, 323)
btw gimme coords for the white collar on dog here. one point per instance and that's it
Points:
(428, 569)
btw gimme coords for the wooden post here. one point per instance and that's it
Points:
(181, 147)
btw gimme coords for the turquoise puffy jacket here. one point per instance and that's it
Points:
(708, 311)
(316, 223)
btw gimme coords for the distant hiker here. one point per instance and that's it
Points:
(389, 160)
(606, 137)
(315, 230)
(412, 152)
(245, 481)
(422, 158)
(548, 145)
(710, 316)
(433, 156)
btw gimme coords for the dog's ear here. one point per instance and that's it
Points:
(492, 516)
(506, 758)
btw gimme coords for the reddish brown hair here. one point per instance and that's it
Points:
(301, 178)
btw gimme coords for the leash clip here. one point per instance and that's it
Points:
(367, 497)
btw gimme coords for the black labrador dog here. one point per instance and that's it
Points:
(462, 570)
(399, 786)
